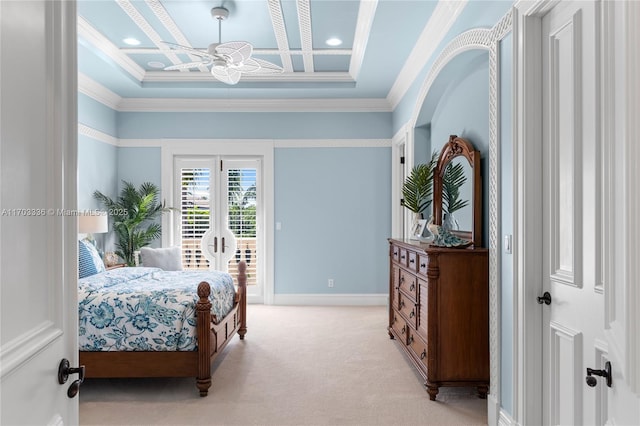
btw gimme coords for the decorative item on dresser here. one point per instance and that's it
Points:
(439, 296)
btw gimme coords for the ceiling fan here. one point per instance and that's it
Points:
(228, 60)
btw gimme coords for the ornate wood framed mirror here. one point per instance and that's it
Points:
(459, 155)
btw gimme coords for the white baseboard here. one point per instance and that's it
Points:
(331, 299)
(493, 410)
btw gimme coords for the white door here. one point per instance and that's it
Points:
(221, 222)
(575, 330)
(38, 260)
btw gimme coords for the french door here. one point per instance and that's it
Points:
(219, 221)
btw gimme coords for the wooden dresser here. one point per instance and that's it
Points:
(439, 312)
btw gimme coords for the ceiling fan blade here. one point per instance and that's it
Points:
(186, 65)
(226, 75)
(249, 65)
(266, 67)
(236, 51)
(187, 49)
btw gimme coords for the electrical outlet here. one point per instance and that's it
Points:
(330, 283)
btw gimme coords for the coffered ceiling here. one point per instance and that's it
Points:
(384, 45)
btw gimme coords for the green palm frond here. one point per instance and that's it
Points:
(133, 214)
(454, 177)
(417, 189)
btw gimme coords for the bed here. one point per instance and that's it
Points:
(146, 322)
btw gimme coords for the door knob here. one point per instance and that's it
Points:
(545, 298)
(606, 373)
(64, 370)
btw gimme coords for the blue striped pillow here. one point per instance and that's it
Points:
(89, 262)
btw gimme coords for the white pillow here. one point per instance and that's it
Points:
(169, 258)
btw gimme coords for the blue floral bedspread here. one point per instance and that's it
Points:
(147, 309)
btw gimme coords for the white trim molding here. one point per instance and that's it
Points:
(483, 39)
(92, 133)
(444, 16)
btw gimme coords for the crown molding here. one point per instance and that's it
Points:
(96, 91)
(100, 42)
(285, 77)
(443, 17)
(253, 105)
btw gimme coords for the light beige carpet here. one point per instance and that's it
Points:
(297, 366)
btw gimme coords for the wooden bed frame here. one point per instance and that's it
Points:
(212, 339)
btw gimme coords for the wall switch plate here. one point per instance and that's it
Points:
(508, 241)
(330, 283)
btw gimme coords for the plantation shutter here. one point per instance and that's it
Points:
(195, 215)
(241, 202)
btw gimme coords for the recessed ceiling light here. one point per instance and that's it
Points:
(131, 41)
(155, 64)
(334, 41)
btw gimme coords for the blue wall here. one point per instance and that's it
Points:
(97, 171)
(334, 208)
(286, 125)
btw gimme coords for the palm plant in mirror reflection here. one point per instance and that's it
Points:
(453, 179)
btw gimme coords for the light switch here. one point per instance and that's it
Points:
(278, 226)
(507, 244)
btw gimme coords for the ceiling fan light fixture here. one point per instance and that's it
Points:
(228, 60)
(219, 63)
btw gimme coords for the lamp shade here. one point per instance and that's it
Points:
(93, 222)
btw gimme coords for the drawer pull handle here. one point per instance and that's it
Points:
(423, 265)
(413, 287)
(423, 354)
(395, 253)
(403, 257)
(412, 261)
(402, 304)
(403, 329)
(412, 314)
(410, 339)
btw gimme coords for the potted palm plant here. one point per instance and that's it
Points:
(133, 214)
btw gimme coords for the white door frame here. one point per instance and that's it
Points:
(236, 147)
(620, 128)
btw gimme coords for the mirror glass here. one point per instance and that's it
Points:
(457, 195)
(461, 219)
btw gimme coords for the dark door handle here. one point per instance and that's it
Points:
(545, 298)
(606, 373)
(64, 370)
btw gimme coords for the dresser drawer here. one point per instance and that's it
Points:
(395, 253)
(412, 260)
(423, 264)
(395, 284)
(400, 327)
(403, 257)
(418, 347)
(409, 284)
(408, 309)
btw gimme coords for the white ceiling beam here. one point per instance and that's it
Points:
(163, 16)
(277, 21)
(304, 24)
(366, 13)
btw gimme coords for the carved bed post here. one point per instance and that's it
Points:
(242, 298)
(203, 314)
